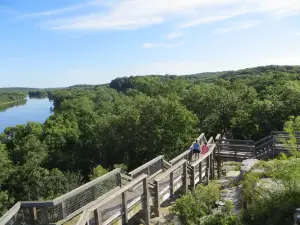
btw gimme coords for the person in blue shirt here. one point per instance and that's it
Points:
(196, 149)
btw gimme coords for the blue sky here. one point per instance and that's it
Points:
(60, 43)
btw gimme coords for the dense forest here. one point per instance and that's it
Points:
(134, 119)
(11, 96)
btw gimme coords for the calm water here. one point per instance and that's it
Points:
(34, 110)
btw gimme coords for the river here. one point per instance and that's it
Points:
(32, 110)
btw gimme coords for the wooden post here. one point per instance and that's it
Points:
(207, 168)
(62, 211)
(219, 159)
(157, 199)
(45, 219)
(200, 172)
(213, 169)
(235, 154)
(171, 184)
(97, 215)
(32, 215)
(193, 182)
(125, 213)
(94, 190)
(146, 201)
(185, 177)
(273, 146)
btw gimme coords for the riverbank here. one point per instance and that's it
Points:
(6, 103)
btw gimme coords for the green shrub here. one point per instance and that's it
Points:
(282, 156)
(197, 204)
(220, 219)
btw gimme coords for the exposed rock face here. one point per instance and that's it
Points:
(248, 164)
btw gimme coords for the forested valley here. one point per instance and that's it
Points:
(134, 119)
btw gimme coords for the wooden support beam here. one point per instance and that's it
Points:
(171, 184)
(125, 212)
(45, 219)
(185, 178)
(62, 210)
(207, 168)
(32, 215)
(193, 178)
(146, 201)
(213, 169)
(97, 215)
(157, 198)
(200, 172)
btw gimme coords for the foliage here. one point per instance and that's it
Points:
(274, 200)
(197, 204)
(38, 94)
(98, 172)
(11, 96)
(282, 156)
(290, 126)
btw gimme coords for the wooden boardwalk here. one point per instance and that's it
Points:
(116, 197)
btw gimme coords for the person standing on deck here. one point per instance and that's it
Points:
(196, 149)
(204, 149)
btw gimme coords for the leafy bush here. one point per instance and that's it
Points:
(282, 156)
(274, 203)
(197, 204)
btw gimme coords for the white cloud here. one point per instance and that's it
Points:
(133, 14)
(298, 33)
(174, 35)
(161, 45)
(238, 26)
(65, 10)
(219, 16)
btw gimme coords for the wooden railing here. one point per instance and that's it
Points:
(264, 146)
(203, 167)
(140, 202)
(168, 182)
(116, 197)
(63, 207)
(151, 168)
(187, 154)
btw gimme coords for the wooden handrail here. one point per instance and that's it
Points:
(170, 170)
(128, 186)
(146, 165)
(203, 157)
(181, 156)
(10, 214)
(77, 212)
(85, 186)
